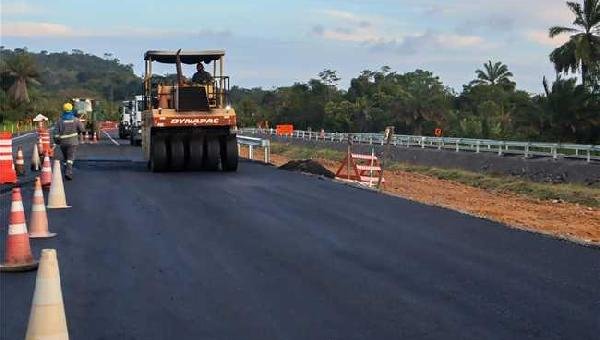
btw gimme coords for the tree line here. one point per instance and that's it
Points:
(490, 106)
(417, 102)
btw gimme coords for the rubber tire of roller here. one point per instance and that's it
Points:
(229, 153)
(211, 153)
(158, 155)
(196, 153)
(176, 153)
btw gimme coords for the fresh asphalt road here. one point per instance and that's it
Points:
(269, 254)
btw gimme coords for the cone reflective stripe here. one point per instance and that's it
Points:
(38, 221)
(40, 146)
(45, 138)
(47, 319)
(56, 196)
(17, 256)
(20, 162)
(46, 175)
(35, 159)
(7, 168)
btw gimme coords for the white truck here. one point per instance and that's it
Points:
(136, 106)
(124, 120)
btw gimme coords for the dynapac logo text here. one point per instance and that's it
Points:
(195, 121)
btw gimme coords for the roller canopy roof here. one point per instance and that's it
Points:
(186, 57)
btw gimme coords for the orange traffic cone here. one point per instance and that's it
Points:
(46, 173)
(7, 168)
(95, 138)
(40, 146)
(38, 220)
(35, 159)
(20, 162)
(17, 256)
(56, 196)
(47, 319)
(87, 137)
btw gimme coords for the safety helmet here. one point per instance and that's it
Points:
(67, 107)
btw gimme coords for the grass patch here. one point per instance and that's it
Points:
(567, 192)
(300, 152)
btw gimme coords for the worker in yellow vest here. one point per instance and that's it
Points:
(66, 136)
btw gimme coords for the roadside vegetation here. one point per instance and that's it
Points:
(417, 102)
(559, 192)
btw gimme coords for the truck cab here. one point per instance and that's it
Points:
(124, 120)
(135, 120)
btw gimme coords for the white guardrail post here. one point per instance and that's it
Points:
(253, 142)
(588, 153)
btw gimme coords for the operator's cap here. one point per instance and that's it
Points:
(67, 107)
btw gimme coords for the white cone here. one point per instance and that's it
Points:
(47, 318)
(36, 162)
(56, 196)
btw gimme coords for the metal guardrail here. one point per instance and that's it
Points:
(527, 149)
(253, 142)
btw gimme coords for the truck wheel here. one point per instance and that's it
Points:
(177, 153)
(211, 154)
(158, 155)
(229, 153)
(196, 151)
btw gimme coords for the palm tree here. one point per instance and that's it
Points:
(582, 51)
(493, 74)
(23, 69)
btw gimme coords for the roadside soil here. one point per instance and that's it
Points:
(563, 220)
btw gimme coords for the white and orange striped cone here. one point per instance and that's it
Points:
(20, 162)
(38, 220)
(46, 175)
(17, 255)
(87, 137)
(47, 319)
(40, 146)
(95, 138)
(56, 196)
(36, 163)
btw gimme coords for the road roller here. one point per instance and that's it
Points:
(188, 124)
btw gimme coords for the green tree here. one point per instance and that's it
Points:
(571, 111)
(22, 69)
(493, 74)
(582, 50)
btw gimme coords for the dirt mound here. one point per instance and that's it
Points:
(308, 166)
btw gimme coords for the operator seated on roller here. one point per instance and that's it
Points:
(66, 136)
(201, 76)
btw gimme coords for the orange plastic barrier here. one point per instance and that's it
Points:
(7, 167)
(108, 125)
(285, 129)
(360, 168)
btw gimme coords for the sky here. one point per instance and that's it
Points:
(276, 43)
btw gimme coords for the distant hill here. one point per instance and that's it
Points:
(79, 73)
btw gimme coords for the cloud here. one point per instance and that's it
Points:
(35, 29)
(25, 29)
(343, 15)
(17, 7)
(429, 41)
(542, 38)
(346, 34)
